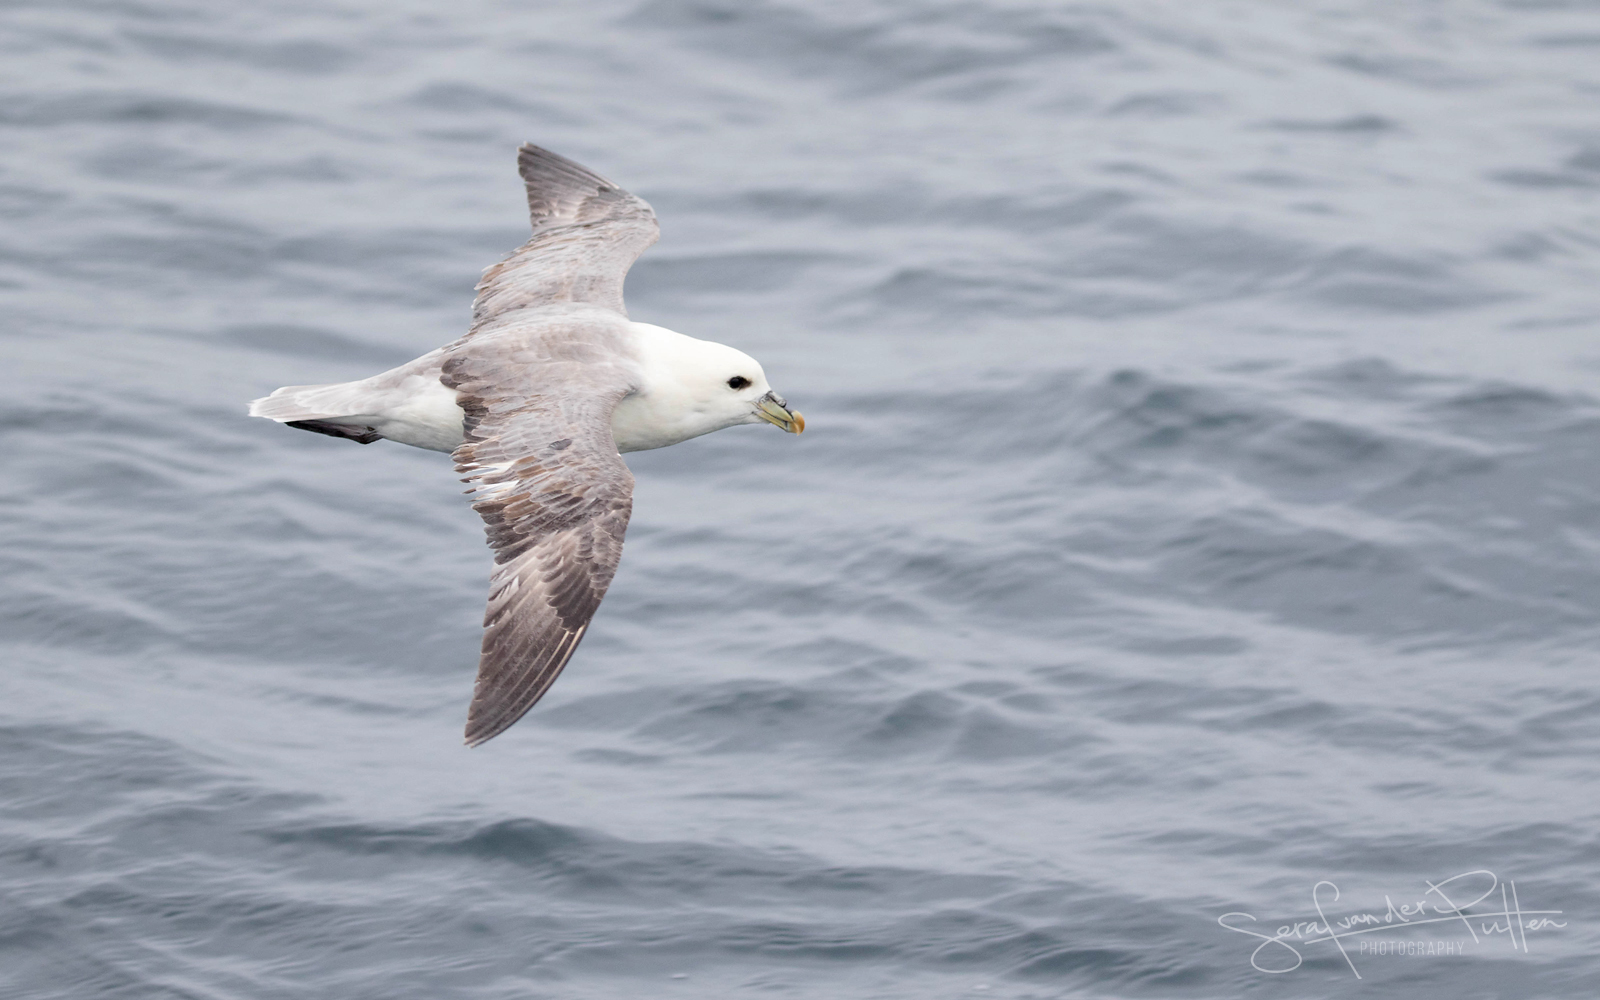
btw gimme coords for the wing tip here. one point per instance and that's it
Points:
(481, 728)
(480, 731)
(489, 716)
(537, 164)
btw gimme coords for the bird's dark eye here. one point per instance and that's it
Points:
(738, 382)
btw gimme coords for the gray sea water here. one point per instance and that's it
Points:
(1201, 502)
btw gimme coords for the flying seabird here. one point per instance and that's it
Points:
(535, 404)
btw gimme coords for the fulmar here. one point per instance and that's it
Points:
(535, 404)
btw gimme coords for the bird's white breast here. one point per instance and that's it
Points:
(639, 424)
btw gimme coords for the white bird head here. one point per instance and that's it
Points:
(693, 387)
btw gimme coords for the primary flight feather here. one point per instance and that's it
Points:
(535, 404)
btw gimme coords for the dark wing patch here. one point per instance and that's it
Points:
(587, 232)
(555, 518)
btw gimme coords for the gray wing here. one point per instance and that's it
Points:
(587, 232)
(555, 498)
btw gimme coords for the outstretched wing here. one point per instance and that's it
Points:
(555, 497)
(587, 232)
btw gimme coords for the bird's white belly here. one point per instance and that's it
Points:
(424, 414)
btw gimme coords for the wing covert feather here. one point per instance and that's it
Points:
(555, 498)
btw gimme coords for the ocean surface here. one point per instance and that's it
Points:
(1198, 522)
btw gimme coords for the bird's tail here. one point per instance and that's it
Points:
(341, 409)
(316, 402)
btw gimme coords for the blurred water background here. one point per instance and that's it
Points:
(1201, 500)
